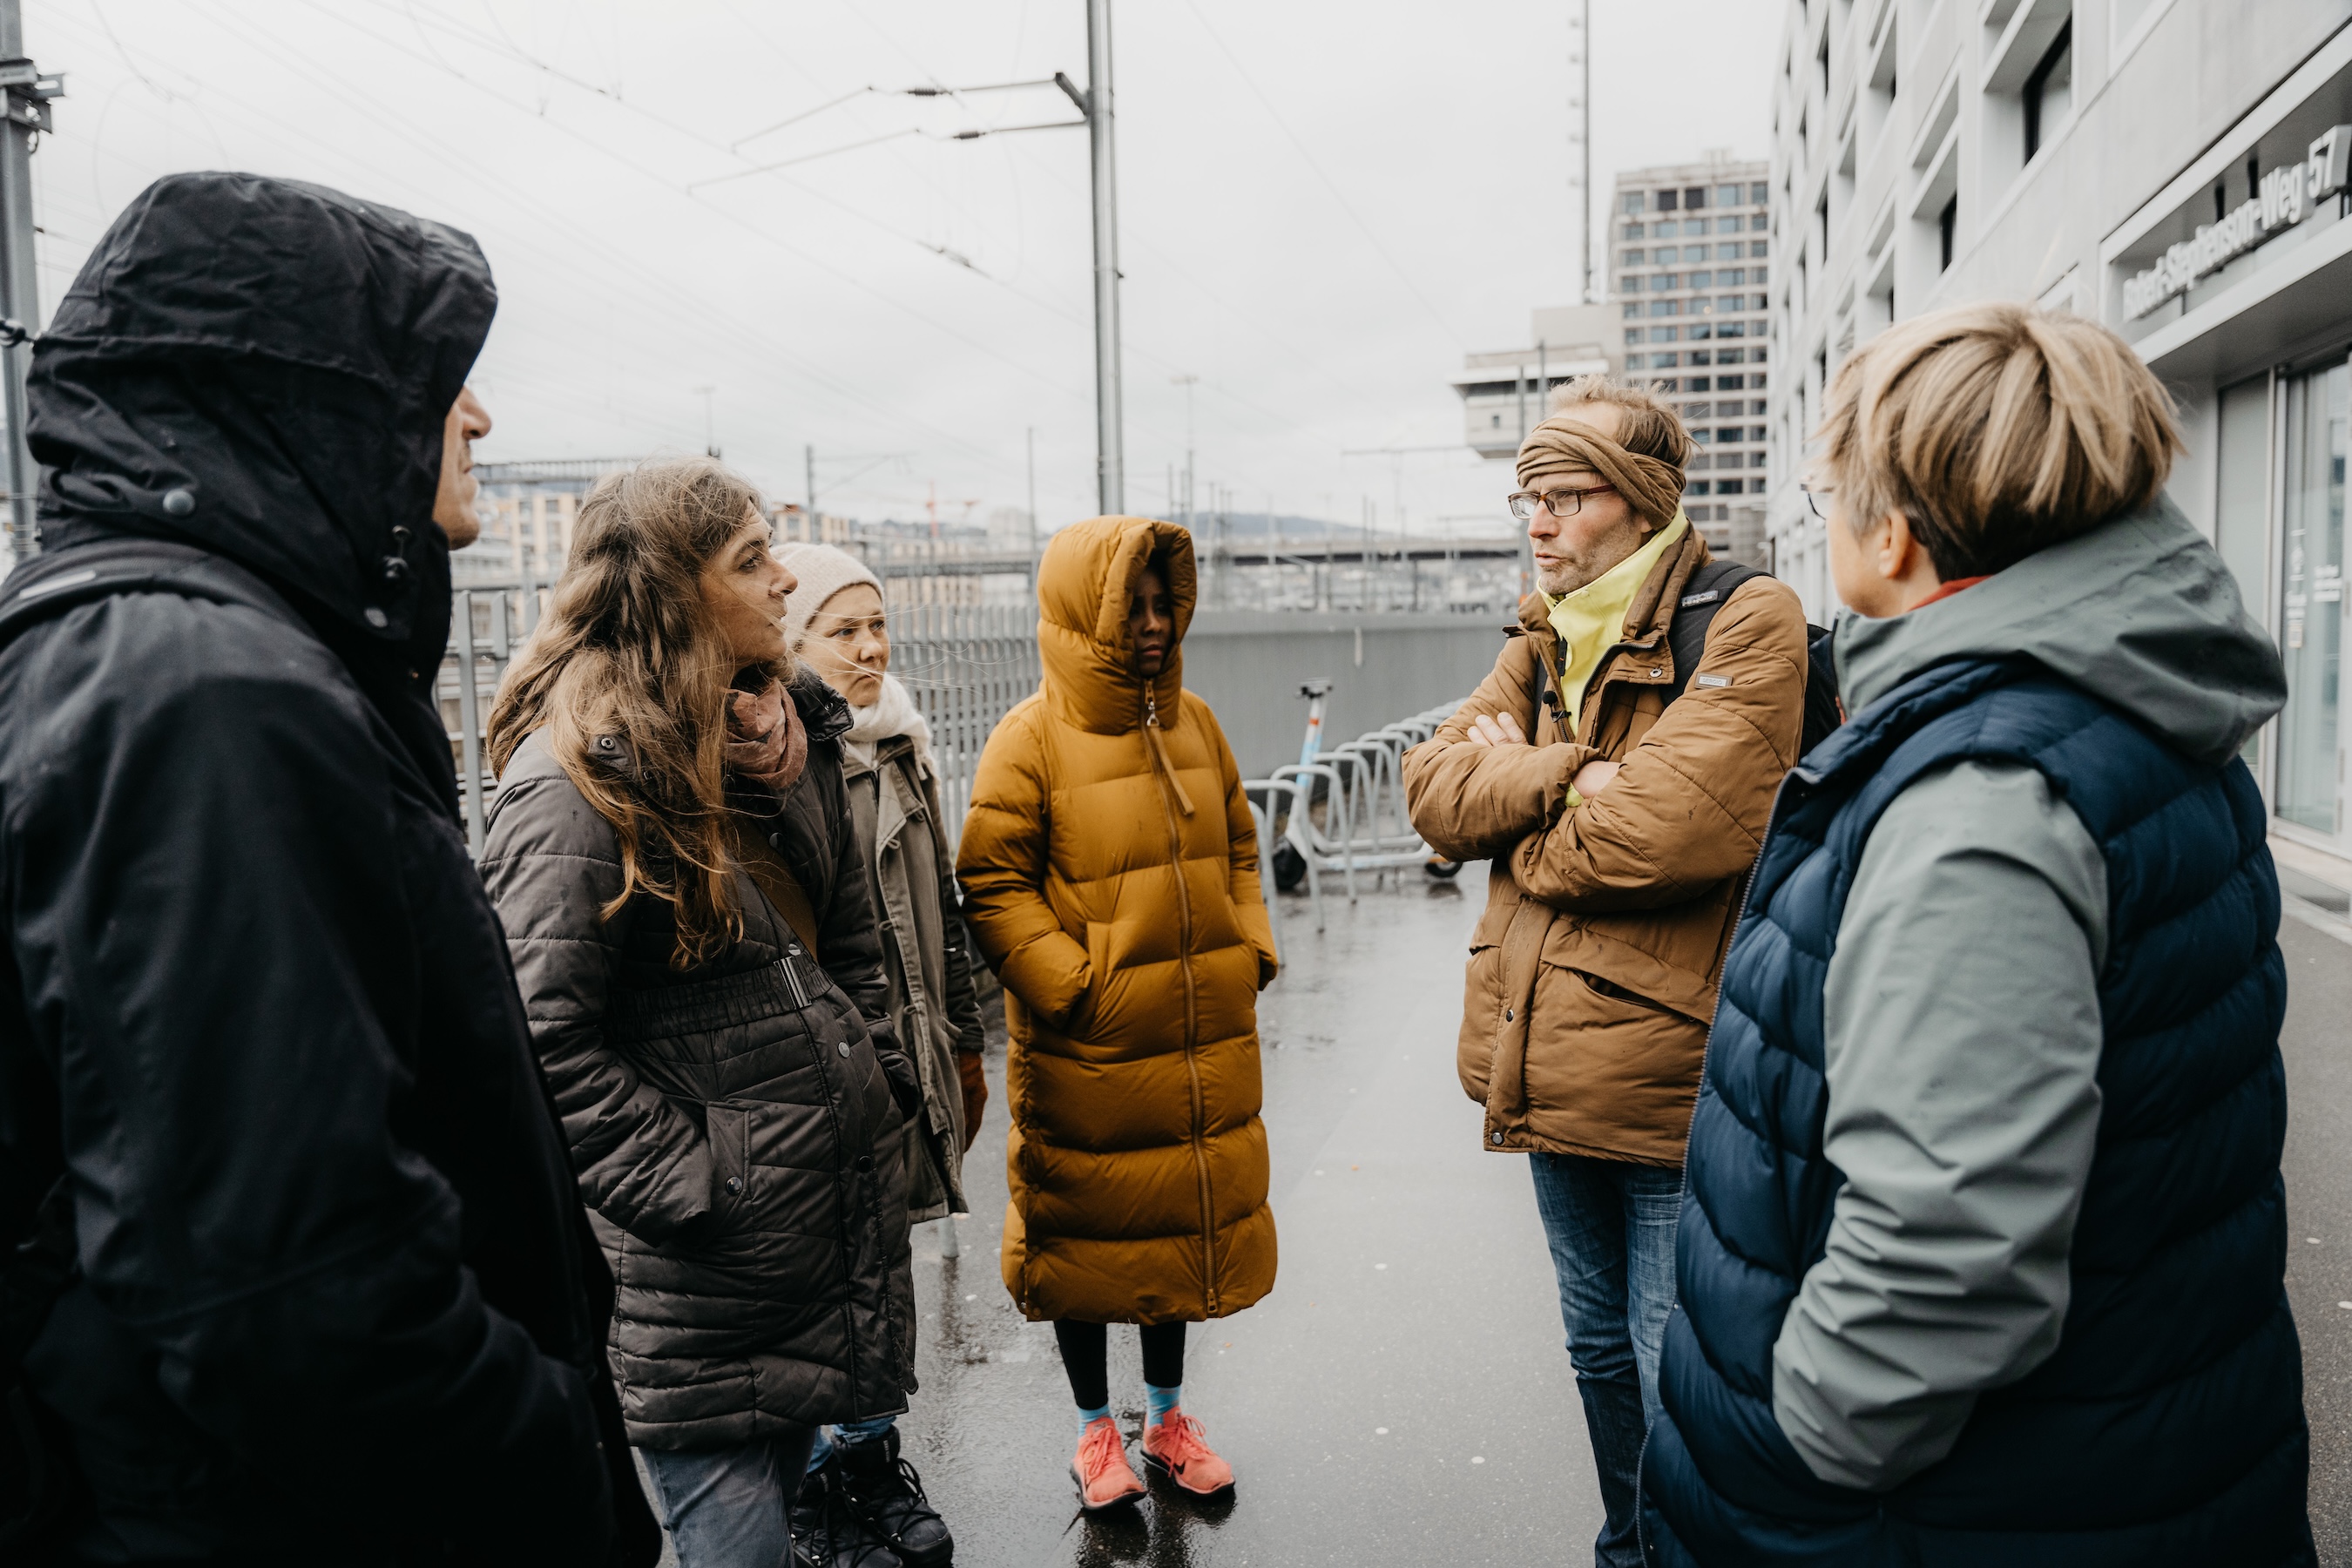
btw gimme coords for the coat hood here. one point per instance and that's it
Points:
(262, 368)
(1084, 585)
(2139, 612)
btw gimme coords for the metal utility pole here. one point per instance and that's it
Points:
(28, 96)
(1095, 103)
(1033, 508)
(1584, 57)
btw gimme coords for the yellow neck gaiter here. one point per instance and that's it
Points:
(1592, 617)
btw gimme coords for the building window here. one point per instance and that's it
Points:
(1633, 201)
(1732, 252)
(1946, 223)
(1758, 194)
(1731, 356)
(1664, 334)
(1664, 307)
(1695, 197)
(2050, 91)
(1633, 231)
(1759, 247)
(1632, 258)
(1667, 281)
(1728, 196)
(1702, 279)
(1666, 202)
(1632, 309)
(1633, 334)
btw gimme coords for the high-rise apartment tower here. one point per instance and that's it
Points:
(1689, 254)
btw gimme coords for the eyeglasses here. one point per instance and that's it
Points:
(1560, 503)
(1815, 497)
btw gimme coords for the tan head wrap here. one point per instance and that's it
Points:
(1652, 486)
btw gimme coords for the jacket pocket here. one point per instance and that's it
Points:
(1482, 1014)
(1609, 991)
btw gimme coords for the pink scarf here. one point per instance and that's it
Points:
(766, 741)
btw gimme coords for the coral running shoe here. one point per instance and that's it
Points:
(1104, 1476)
(1178, 1448)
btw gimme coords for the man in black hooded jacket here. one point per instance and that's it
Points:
(335, 1301)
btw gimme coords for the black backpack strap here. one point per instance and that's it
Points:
(1702, 594)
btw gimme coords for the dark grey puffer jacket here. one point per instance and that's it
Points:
(733, 1126)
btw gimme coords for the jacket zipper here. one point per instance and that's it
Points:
(1706, 1062)
(1159, 761)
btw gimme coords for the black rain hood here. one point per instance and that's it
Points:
(263, 368)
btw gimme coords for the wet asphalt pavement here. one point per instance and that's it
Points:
(1403, 1396)
(2318, 1164)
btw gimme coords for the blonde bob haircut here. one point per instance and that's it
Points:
(1997, 430)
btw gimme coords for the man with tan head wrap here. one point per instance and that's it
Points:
(1622, 801)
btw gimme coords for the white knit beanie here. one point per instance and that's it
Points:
(824, 570)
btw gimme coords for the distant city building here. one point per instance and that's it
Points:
(1503, 392)
(2180, 169)
(1690, 255)
(528, 513)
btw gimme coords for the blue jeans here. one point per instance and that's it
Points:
(1611, 1226)
(848, 1432)
(729, 1508)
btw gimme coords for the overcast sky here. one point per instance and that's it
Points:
(1323, 207)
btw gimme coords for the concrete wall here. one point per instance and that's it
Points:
(1248, 666)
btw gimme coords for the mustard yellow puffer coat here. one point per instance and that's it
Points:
(1109, 873)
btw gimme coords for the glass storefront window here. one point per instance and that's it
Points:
(2311, 608)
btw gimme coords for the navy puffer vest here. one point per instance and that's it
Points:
(2168, 1426)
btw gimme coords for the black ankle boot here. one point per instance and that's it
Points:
(827, 1528)
(889, 1496)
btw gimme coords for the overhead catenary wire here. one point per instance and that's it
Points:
(944, 252)
(1453, 334)
(655, 177)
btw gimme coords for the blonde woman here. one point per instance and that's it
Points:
(672, 857)
(836, 627)
(1982, 1258)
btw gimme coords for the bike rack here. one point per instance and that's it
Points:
(1363, 783)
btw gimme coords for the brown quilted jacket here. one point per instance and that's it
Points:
(1592, 973)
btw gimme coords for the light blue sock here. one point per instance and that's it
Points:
(1158, 1402)
(1088, 1417)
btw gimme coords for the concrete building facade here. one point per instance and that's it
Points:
(1689, 257)
(2176, 169)
(1503, 391)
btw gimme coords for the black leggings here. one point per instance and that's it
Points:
(1086, 1356)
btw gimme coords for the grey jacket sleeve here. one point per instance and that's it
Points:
(1962, 1038)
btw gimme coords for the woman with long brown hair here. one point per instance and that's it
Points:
(672, 856)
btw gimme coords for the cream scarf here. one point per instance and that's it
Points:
(894, 714)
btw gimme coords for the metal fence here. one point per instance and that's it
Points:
(964, 665)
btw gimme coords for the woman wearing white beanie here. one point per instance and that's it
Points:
(835, 622)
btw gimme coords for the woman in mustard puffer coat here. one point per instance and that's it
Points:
(1109, 870)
